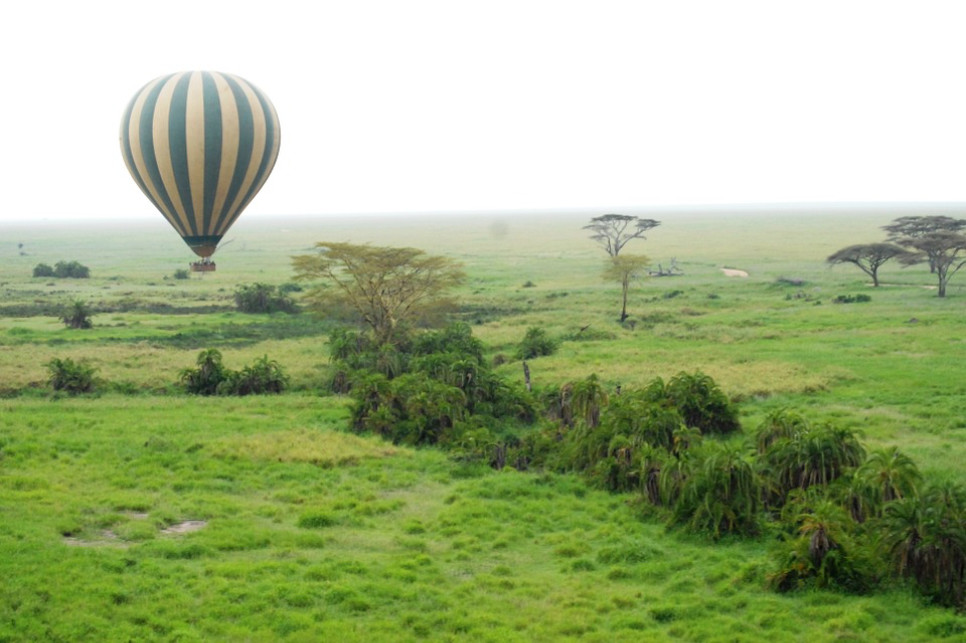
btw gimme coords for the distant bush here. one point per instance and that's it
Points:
(181, 273)
(264, 376)
(71, 377)
(208, 374)
(71, 270)
(536, 343)
(263, 298)
(43, 270)
(852, 299)
(77, 316)
(290, 287)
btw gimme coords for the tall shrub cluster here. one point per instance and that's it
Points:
(846, 519)
(433, 388)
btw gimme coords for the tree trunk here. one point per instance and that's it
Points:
(625, 286)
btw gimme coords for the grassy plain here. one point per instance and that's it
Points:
(313, 533)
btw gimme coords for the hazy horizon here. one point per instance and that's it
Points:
(901, 208)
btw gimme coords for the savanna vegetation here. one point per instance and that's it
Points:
(739, 459)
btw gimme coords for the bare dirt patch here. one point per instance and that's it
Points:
(107, 539)
(185, 527)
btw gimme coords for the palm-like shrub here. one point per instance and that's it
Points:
(208, 374)
(699, 400)
(720, 493)
(71, 377)
(781, 424)
(892, 474)
(822, 549)
(263, 376)
(925, 540)
(811, 456)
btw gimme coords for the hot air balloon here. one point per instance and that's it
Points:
(200, 145)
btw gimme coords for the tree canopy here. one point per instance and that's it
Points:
(613, 231)
(386, 288)
(869, 257)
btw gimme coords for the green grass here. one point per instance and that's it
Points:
(312, 533)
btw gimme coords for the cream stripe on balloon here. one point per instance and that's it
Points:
(195, 140)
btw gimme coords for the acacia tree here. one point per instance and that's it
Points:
(906, 229)
(625, 269)
(387, 288)
(869, 257)
(945, 251)
(613, 231)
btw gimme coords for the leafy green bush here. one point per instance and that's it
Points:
(71, 377)
(536, 343)
(263, 298)
(181, 273)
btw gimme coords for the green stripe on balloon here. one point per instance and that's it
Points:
(178, 145)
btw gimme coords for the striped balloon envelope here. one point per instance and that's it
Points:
(200, 145)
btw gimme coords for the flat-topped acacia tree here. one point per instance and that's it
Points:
(614, 231)
(869, 257)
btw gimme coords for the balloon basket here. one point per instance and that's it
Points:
(203, 266)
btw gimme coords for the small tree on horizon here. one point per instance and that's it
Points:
(624, 269)
(614, 231)
(868, 257)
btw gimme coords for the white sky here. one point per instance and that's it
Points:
(415, 106)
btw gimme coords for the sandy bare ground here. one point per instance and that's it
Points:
(185, 527)
(108, 538)
(731, 272)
